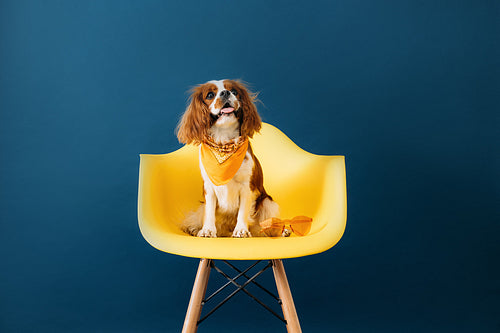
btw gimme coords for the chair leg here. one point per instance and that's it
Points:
(199, 288)
(289, 312)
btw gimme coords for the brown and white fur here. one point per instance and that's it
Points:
(225, 110)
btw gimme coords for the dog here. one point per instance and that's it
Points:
(220, 118)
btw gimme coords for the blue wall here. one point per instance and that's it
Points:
(407, 90)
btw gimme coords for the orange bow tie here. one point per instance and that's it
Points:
(274, 227)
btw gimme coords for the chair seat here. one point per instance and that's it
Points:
(170, 186)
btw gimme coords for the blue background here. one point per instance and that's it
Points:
(407, 90)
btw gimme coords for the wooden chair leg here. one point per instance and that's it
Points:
(289, 312)
(199, 288)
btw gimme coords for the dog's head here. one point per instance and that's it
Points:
(223, 104)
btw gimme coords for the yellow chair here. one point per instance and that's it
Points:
(302, 183)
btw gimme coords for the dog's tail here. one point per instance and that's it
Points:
(268, 209)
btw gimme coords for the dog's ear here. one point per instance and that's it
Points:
(195, 121)
(249, 119)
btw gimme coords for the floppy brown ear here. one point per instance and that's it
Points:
(250, 119)
(195, 121)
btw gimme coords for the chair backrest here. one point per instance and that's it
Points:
(300, 182)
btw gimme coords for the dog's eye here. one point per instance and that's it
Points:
(235, 93)
(210, 95)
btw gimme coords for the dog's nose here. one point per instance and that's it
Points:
(224, 93)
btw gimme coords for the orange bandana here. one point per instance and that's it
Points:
(221, 162)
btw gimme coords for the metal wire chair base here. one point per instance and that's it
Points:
(241, 287)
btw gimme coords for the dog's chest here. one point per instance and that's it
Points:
(228, 195)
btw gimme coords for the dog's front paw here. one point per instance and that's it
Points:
(241, 233)
(207, 232)
(286, 233)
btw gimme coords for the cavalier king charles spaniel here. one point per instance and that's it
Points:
(220, 118)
